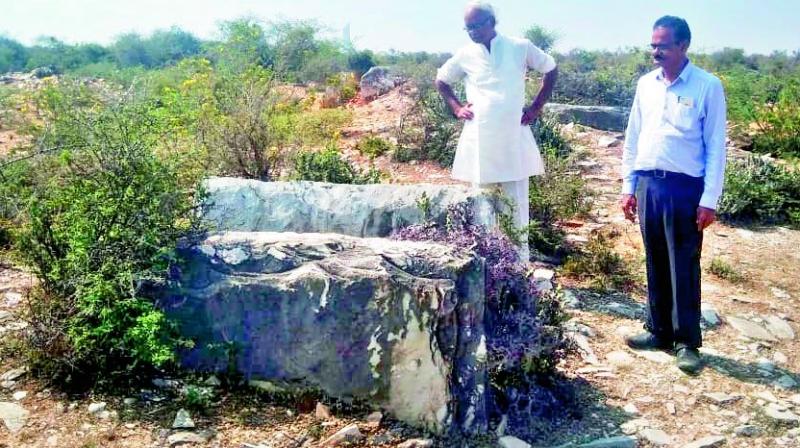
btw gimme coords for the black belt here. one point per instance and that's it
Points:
(662, 174)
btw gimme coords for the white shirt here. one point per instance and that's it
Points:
(494, 146)
(677, 127)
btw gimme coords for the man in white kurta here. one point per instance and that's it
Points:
(496, 147)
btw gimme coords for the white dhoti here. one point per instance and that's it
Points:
(518, 208)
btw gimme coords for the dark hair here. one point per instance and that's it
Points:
(679, 27)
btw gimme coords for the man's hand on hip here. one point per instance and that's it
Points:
(705, 216)
(529, 114)
(465, 112)
(628, 204)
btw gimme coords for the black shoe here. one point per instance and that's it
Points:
(646, 341)
(689, 360)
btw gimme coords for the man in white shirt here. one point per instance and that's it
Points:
(673, 170)
(496, 147)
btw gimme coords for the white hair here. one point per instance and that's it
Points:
(484, 7)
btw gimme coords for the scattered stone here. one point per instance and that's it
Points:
(183, 420)
(8, 384)
(633, 426)
(680, 388)
(608, 141)
(13, 415)
(620, 309)
(416, 443)
(20, 395)
(631, 409)
(620, 359)
(212, 381)
(747, 431)
(130, 401)
(785, 382)
(185, 437)
(780, 294)
(671, 408)
(656, 437)
(780, 328)
(570, 300)
(779, 358)
(375, 418)
(710, 315)
(266, 386)
(781, 416)
(95, 408)
(720, 398)
(579, 327)
(655, 356)
(750, 329)
(586, 352)
(512, 442)
(5, 316)
(347, 434)
(322, 412)
(14, 374)
(543, 274)
(706, 442)
(612, 442)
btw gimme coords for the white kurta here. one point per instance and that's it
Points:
(494, 146)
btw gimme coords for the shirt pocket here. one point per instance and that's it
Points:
(682, 112)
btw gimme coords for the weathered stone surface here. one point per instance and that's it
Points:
(779, 327)
(189, 438)
(781, 415)
(656, 437)
(750, 329)
(349, 434)
(377, 81)
(605, 118)
(94, 408)
(612, 442)
(416, 443)
(710, 315)
(707, 442)
(13, 374)
(13, 415)
(312, 207)
(360, 318)
(183, 420)
(512, 442)
(721, 398)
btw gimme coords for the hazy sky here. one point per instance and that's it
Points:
(757, 26)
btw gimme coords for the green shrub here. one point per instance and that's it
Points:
(373, 146)
(725, 270)
(761, 191)
(96, 233)
(429, 131)
(328, 166)
(558, 194)
(767, 107)
(598, 264)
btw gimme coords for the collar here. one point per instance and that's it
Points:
(492, 43)
(683, 76)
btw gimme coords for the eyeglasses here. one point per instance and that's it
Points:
(478, 25)
(662, 47)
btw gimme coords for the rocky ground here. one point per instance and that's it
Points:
(747, 396)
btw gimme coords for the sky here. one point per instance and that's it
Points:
(757, 26)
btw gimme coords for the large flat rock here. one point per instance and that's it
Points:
(375, 210)
(606, 118)
(397, 323)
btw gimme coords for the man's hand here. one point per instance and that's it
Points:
(464, 112)
(529, 114)
(629, 207)
(705, 216)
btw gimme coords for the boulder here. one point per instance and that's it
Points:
(374, 210)
(606, 118)
(397, 323)
(377, 81)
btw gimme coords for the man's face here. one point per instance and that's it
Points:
(479, 26)
(666, 52)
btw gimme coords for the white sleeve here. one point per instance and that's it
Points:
(451, 71)
(631, 146)
(538, 59)
(714, 139)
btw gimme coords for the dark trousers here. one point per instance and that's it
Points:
(667, 204)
